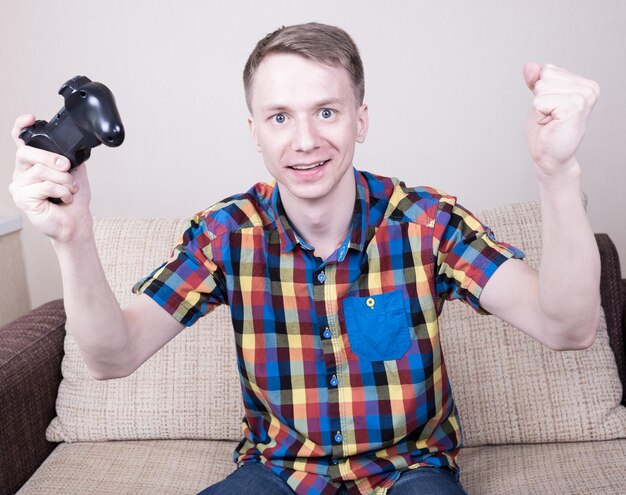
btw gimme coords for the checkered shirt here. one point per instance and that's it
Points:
(341, 367)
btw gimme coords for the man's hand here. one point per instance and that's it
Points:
(39, 175)
(558, 120)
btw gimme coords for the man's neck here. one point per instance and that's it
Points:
(323, 222)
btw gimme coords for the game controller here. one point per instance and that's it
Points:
(88, 119)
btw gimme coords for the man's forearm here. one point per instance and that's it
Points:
(569, 274)
(94, 316)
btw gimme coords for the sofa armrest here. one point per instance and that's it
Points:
(624, 308)
(30, 372)
(612, 293)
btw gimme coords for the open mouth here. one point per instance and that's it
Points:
(310, 166)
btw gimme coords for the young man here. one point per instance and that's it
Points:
(334, 277)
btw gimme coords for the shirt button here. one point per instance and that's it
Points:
(327, 333)
(321, 277)
(338, 437)
(333, 381)
(335, 461)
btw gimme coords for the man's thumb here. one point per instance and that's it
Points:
(532, 73)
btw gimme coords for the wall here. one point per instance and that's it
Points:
(443, 82)
(14, 298)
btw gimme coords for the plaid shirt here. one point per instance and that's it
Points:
(341, 367)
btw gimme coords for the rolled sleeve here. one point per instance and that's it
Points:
(467, 254)
(189, 284)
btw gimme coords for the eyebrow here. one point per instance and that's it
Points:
(330, 102)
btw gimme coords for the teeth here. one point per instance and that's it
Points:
(308, 167)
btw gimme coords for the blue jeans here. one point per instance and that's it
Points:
(256, 479)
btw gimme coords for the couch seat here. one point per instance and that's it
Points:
(132, 467)
(545, 469)
(188, 466)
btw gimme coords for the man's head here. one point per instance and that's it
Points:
(321, 43)
(306, 110)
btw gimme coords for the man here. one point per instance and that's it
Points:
(334, 277)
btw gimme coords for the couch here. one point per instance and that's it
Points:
(535, 421)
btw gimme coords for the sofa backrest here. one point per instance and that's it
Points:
(508, 387)
(189, 389)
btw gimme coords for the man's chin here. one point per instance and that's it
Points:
(307, 193)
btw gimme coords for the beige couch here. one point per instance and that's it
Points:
(535, 421)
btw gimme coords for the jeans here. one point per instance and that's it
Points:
(256, 479)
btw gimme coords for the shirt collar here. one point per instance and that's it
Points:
(356, 237)
(289, 239)
(360, 218)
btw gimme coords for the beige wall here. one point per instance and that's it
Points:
(443, 82)
(14, 299)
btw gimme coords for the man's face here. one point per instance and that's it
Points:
(305, 121)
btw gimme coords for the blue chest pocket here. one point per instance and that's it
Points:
(377, 326)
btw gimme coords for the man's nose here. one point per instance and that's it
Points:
(306, 136)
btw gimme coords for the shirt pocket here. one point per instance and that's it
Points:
(377, 326)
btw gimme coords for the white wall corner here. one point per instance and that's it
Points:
(10, 224)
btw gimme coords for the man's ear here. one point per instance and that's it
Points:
(252, 128)
(363, 124)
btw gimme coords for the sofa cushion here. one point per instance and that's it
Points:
(589, 468)
(189, 389)
(508, 387)
(129, 467)
(188, 466)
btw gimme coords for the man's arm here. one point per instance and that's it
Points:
(112, 341)
(560, 304)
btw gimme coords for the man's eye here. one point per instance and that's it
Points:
(279, 118)
(326, 113)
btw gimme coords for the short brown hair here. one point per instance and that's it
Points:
(322, 43)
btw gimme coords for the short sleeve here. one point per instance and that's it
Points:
(467, 254)
(189, 284)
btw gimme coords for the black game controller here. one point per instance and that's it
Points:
(89, 118)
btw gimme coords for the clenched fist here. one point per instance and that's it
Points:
(558, 119)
